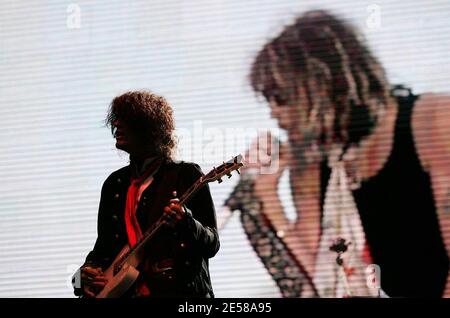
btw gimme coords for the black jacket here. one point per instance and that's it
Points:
(189, 245)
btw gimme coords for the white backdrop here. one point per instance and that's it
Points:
(61, 63)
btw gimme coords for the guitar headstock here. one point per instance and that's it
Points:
(226, 168)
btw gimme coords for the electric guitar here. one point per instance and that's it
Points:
(122, 273)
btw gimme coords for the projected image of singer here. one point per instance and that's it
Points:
(135, 197)
(366, 161)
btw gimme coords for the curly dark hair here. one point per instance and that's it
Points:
(343, 82)
(148, 116)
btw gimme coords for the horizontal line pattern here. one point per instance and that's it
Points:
(56, 84)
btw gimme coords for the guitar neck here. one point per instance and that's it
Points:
(190, 192)
(134, 257)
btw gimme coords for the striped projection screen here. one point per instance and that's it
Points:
(340, 109)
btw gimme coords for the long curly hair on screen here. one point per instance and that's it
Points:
(148, 116)
(324, 58)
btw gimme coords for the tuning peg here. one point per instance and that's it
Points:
(237, 170)
(229, 175)
(219, 180)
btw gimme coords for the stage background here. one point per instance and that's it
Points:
(61, 63)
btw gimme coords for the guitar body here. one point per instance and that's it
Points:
(120, 275)
(120, 283)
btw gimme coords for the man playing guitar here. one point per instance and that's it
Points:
(143, 193)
